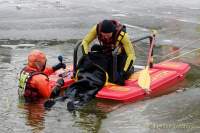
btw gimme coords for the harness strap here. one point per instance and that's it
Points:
(120, 37)
(26, 81)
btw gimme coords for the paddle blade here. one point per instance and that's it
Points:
(144, 79)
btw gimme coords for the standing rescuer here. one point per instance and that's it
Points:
(111, 34)
(33, 79)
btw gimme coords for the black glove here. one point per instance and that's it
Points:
(120, 79)
(56, 91)
(58, 66)
(60, 82)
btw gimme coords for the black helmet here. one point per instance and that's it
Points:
(107, 26)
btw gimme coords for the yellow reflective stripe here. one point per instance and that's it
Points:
(120, 37)
(22, 82)
(23, 78)
(128, 62)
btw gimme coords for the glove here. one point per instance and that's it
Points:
(58, 66)
(56, 91)
(120, 78)
(60, 82)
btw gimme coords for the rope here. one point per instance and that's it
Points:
(196, 49)
(176, 51)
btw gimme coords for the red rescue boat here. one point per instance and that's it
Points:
(163, 75)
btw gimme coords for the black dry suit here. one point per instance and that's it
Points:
(91, 77)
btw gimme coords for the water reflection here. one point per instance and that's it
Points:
(89, 118)
(34, 114)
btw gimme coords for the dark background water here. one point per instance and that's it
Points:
(54, 26)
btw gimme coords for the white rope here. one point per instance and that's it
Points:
(196, 49)
(176, 51)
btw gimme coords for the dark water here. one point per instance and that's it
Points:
(55, 26)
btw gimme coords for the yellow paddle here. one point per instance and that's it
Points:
(144, 79)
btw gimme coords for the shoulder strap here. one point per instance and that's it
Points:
(120, 32)
(31, 74)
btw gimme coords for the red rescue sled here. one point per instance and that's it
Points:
(163, 75)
